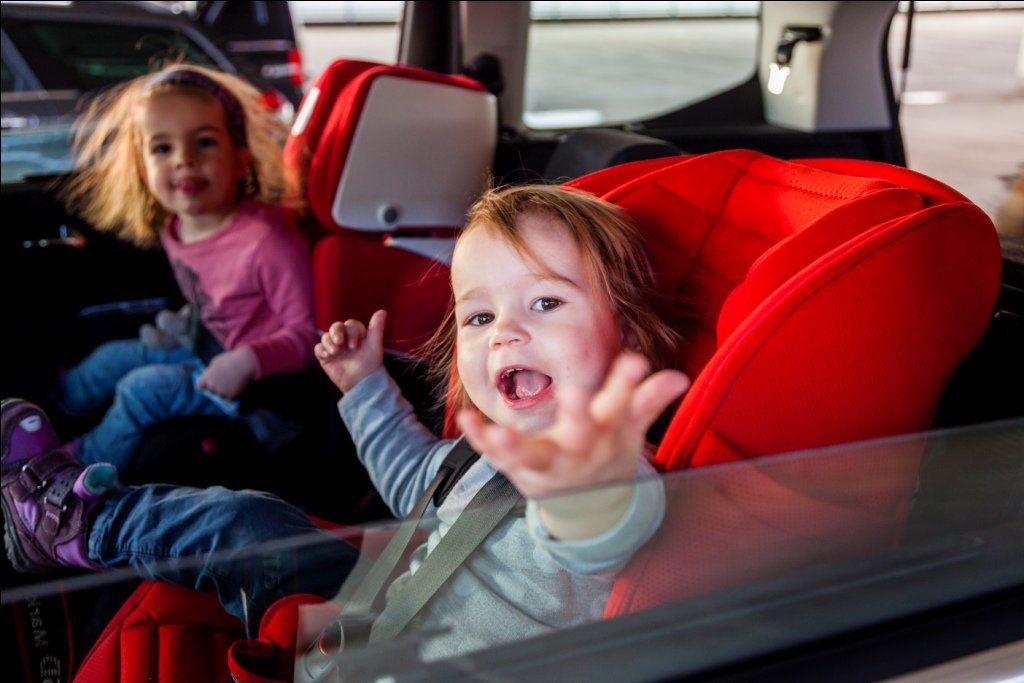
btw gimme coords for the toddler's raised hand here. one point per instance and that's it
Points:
(594, 440)
(349, 351)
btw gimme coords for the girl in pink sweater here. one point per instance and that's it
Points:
(188, 158)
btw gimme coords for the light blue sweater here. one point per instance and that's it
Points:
(520, 582)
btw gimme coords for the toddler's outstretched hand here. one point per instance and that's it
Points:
(349, 351)
(594, 440)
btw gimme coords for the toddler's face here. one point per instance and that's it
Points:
(527, 328)
(192, 165)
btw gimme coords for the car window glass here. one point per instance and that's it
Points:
(6, 77)
(790, 550)
(606, 63)
(810, 542)
(69, 60)
(93, 56)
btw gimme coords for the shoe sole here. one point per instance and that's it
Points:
(19, 560)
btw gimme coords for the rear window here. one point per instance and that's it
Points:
(53, 64)
(601, 64)
(6, 77)
(84, 56)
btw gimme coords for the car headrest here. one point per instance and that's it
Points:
(586, 151)
(383, 147)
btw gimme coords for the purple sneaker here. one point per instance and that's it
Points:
(47, 494)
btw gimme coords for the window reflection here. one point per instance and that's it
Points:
(790, 548)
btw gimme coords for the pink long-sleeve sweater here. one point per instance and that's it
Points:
(252, 284)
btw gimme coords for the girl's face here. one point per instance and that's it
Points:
(527, 328)
(192, 165)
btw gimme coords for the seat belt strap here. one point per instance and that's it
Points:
(458, 461)
(377, 577)
(485, 511)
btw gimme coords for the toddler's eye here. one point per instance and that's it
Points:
(160, 149)
(205, 142)
(546, 303)
(478, 319)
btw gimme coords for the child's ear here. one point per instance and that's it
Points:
(630, 339)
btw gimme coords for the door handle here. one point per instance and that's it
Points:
(778, 71)
(791, 35)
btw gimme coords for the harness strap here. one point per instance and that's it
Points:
(489, 506)
(370, 586)
(485, 511)
(458, 461)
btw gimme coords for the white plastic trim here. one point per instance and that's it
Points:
(419, 156)
(834, 84)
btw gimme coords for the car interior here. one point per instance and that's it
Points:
(860, 317)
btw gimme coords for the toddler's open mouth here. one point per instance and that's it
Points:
(518, 383)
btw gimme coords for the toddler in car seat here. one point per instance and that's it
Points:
(189, 159)
(557, 331)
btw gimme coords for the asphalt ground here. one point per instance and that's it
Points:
(962, 114)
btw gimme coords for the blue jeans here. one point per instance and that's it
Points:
(93, 383)
(147, 386)
(252, 548)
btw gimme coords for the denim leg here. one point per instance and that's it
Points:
(144, 397)
(90, 385)
(250, 547)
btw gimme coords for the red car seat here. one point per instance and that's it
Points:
(388, 159)
(833, 299)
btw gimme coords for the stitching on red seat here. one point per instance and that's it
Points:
(751, 172)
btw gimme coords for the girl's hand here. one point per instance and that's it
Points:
(594, 440)
(229, 373)
(350, 351)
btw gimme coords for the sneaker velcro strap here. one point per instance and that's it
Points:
(57, 493)
(57, 500)
(37, 473)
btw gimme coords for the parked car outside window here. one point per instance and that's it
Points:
(259, 36)
(56, 55)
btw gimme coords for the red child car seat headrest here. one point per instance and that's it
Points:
(833, 299)
(388, 159)
(385, 147)
(709, 218)
(758, 245)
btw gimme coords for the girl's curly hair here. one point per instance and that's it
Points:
(108, 188)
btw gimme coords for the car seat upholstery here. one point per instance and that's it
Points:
(791, 270)
(163, 633)
(388, 158)
(828, 301)
(832, 300)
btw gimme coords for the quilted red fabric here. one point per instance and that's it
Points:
(163, 633)
(833, 299)
(347, 267)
